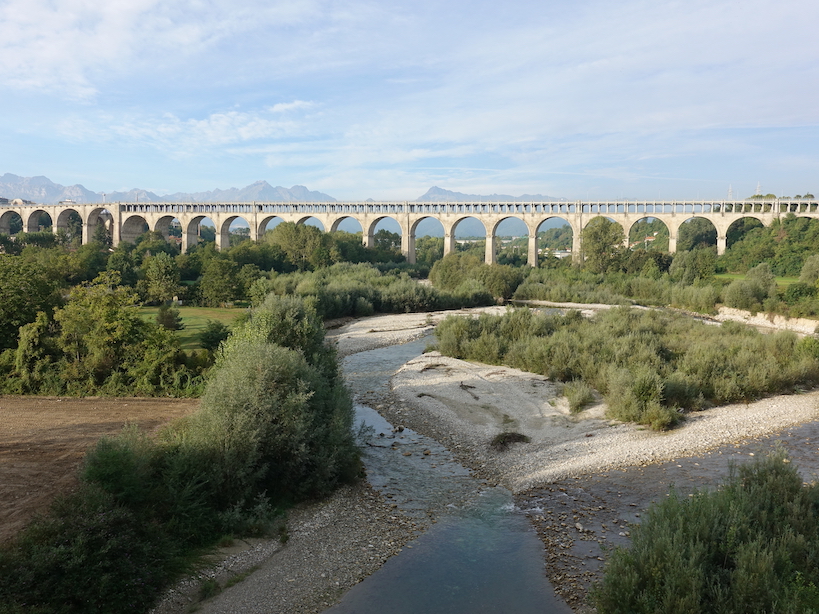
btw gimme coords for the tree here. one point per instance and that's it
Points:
(603, 247)
(696, 232)
(219, 282)
(162, 277)
(25, 290)
(306, 247)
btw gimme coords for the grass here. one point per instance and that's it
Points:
(781, 282)
(195, 320)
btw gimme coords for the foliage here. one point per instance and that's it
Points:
(648, 365)
(99, 343)
(750, 546)
(213, 335)
(274, 427)
(169, 317)
(602, 245)
(219, 282)
(696, 233)
(25, 290)
(162, 277)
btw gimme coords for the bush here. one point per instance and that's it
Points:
(750, 546)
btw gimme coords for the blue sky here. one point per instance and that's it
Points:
(361, 99)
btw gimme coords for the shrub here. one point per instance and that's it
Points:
(750, 546)
(579, 394)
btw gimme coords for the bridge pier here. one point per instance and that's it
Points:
(532, 255)
(408, 246)
(490, 256)
(722, 242)
(449, 243)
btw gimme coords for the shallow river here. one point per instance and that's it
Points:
(481, 555)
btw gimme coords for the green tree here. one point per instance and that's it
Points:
(306, 247)
(219, 282)
(25, 290)
(602, 242)
(696, 232)
(162, 277)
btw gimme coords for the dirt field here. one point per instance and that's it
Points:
(43, 440)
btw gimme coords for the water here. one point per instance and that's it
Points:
(481, 556)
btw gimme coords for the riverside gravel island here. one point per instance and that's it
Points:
(581, 480)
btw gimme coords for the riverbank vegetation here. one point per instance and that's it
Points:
(650, 366)
(274, 427)
(749, 546)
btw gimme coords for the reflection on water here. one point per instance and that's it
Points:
(482, 555)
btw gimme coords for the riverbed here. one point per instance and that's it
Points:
(582, 482)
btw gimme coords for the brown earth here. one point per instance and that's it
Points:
(43, 441)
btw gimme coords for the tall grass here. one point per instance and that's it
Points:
(649, 365)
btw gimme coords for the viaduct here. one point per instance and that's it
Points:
(128, 220)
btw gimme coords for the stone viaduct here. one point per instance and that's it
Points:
(128, 220)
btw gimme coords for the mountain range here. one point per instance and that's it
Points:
(42, 190)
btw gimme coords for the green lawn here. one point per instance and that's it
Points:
(782, 282)
(195, 320)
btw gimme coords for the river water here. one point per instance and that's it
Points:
(480, 554)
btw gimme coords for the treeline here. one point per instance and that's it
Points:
(274, 427)
(650, 365)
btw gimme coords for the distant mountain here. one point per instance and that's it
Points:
(43, 190)
(440, 195)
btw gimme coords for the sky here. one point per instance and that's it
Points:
(576, 99)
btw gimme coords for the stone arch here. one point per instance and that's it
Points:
(518, 251)
(225, 230)
(451, 233)
(32, 222)
(739, 227)
(409, 240)
(95, 217)
(311, 220)
(650, 233)
(132, 227)
(265, 222)
(372, 228)
(11, 222)
(191, 232)
(172, 232)
(334, 226)
(695, 231)
(552, 243)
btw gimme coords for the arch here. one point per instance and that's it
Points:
(432, 242)
(649, 233)
(94, 218)
(34, 222)
(349, 222)
(696, 231)
(11, 222)
(229, 232)
(468, 234)
(192, 233)
(264, 224)
(171, 228)
(509, 241)
(371, 230)
(132, 227)
(737, 229)
(310, 220)
(553, 240)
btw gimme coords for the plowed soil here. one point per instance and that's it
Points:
(43, 441)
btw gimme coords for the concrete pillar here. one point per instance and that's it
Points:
(722, 242)
(489, 254)
(87, 232)
(577, 247)
(532, 252)
(408, 246)
(368, 238)
(672, 241)
(449, 243)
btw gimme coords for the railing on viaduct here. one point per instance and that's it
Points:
(128, 220)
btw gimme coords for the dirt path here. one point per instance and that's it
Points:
(43, 440)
